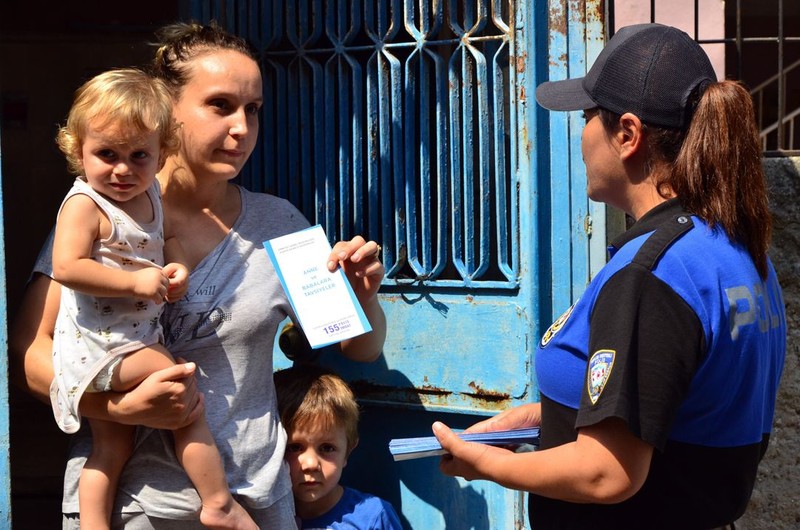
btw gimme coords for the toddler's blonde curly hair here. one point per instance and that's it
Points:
(129, 99)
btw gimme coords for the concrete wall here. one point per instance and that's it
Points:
(776, 500)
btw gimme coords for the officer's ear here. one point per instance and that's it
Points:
(629, 135)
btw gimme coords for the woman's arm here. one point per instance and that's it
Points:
(368, 347)
(361, 263)
(30, 340)
(167, 399)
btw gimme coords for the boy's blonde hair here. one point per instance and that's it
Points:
(128, 98)
(315, 397)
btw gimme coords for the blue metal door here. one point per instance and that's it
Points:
(413, 123)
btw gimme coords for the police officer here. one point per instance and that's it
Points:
(658, 386)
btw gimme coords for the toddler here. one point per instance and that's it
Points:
(118, 264)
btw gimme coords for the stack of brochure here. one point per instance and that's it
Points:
(408, 448)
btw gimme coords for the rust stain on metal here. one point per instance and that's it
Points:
(481, 398)
(432, 390)
(560, 60)
(557, 24)
(366, 389)
(595, 10)
(521, 62)
(579, 7)
(390, 298)
(486, 395)
(558, 18)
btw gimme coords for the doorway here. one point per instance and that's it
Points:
(45, 54)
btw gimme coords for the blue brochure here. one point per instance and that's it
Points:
(408, 448)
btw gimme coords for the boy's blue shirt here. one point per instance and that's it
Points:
(356, 511)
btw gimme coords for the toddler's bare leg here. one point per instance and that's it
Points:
(112, 444)
(194, 447)
(198, 454)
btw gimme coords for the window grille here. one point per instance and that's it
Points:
(762, 49)
(393, 120)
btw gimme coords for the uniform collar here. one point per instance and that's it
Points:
(648, 222)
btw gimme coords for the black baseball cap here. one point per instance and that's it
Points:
(650, 70)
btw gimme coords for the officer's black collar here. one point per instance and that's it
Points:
(650, 221)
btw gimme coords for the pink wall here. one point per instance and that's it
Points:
(680, 13)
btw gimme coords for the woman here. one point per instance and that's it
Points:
(658, 386)
(226, 324)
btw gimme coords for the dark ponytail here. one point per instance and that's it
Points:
(718, 173)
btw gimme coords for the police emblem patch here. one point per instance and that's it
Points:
(556, 326)
(600, 366)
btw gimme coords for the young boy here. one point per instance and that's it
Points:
(320, 415)
(109, 254)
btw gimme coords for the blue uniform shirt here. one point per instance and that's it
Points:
(680, 337)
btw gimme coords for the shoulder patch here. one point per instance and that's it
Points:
(556, 326)
(600, 365)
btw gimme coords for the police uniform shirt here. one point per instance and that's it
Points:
(680, 337)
